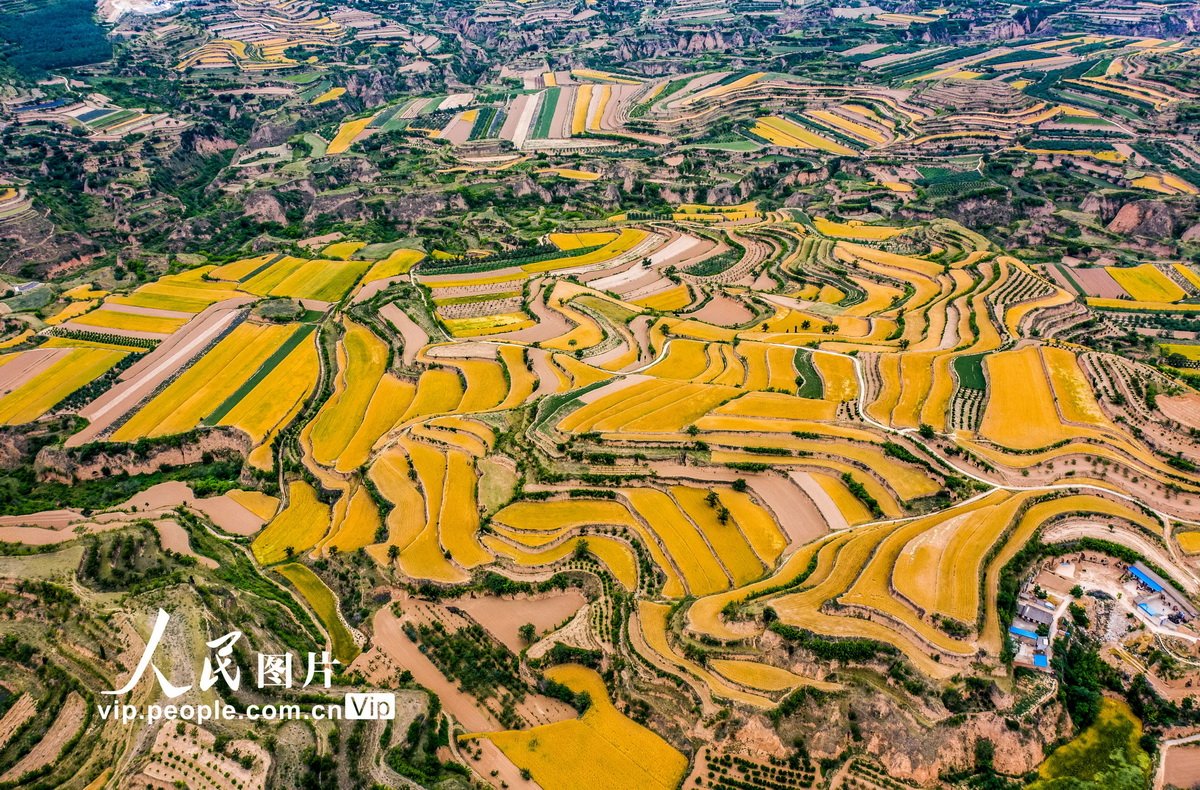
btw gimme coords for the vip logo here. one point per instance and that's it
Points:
(375, 707)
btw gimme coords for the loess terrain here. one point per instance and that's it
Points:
(678, 395)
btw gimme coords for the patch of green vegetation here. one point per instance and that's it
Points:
(808, 381)
(42, 35)
(130, 561)
(830, 649)
(725, 145)
(541, 127)
(415, 757)
(21, 492)
(969, 369)
(317, 145)
(862, 494)
(325, 604)
(1107, 755)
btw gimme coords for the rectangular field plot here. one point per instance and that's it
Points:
(210, 388)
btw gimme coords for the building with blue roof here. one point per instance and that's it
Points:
(1145, 579)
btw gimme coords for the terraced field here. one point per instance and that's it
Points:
(689, 394)
(775, 464)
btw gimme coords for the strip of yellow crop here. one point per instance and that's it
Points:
(715, 91)
(264, 408)
(555, 515)
(597, 118)
(626, 240)
(262, 505)
(324, 603)
(939, 569)
(1127, 304)
(1076, 400)
(1189, 541)
(758, 525)
(859, 130)
(669, 300)
(347, 133)
(850, 506)
(1145, 283)
(399, 262)
(579, 113)
(531, 515)
(803, 608)
(486, 384)
(701, 570)
(574, 241)
(631, 755)
(837, 376)
(729, 545)
(788, 134)
(612, 553)
(705, 615)
(855, 230)
(1188, 273)
(439, 391)
(458, 522)
(362, 359)
(343, 250)
(355, 522)
(17, 339)
(131, 322)
(580, 373)
(326, 281)
(333, 94)
(262, 283)
(423, 558)
(653, 620)
(487, 325)
(571, 174)
(604, 76)
(298, 528)
(207, 383)
(47, 388)
(406, 520)
(522, 380)
(72, 310)
(174, 292)
(387, 403)
(762, 677)
(671, 407)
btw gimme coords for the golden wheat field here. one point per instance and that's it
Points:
(731, 485)
(619, 752)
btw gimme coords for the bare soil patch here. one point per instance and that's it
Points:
(48, 748)
(191, 759)
(1182, 765)
(414, 336)
(1097, 282)
(175, 538)
(229, 515)
(21, 711)
(503, 617)
(1183, 409)
(723, 311)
